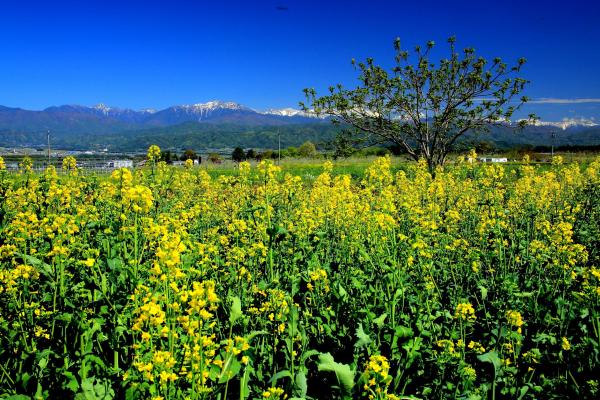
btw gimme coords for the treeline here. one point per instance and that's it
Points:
(567, 148)
(212, 136)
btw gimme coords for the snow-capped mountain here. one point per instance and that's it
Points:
(101, 107)
(106, 110)
(200, 112)
(211, 106)
(290, 112)
(102, 119)
(568, 123)
(121, 114)
(206, 123)
(102, 115)
(232, 112)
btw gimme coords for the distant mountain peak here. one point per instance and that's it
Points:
(103, 108)
(568, 123)
(289, 112)
(214, 105)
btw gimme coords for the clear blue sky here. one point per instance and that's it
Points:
(151, 54)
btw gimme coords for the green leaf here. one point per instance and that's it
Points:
(254, 334)
(412, 347)
(491, 357)
(308, 354)
(236, 310)
(484, 292)
(343, 373)
(380, 320)
(232, 367)
(363, 338)
(244, 387)
(523, 392)
(46, 269)
(523, 294)
(279, 375)
(403, 332)
(341, 291)
(72, 384)
(301, 384)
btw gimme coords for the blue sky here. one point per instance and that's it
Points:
(150, 54)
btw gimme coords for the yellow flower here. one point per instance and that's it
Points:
(122, 176)
(89, 262)
(153, 153)
(465, 311)
(566, 346)
(26, 164)
(469, 373)
(515, 319)
(139, 198)
(274, 393)
(477, 347)
(379, 365)
(69, 163)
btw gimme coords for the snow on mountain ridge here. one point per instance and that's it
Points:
(213, 105)
(201, 111)
(289, 112)
(102, 108)
(567, 123)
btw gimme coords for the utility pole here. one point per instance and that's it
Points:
(279, 152)
(553, 139)
(48, 137)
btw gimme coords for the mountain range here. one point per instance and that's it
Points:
(220, 124)
(102, 119)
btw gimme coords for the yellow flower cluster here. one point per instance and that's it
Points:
(318, 279)
(274, 393)
(139, 198)
(153, 153)
(275, 306)
(376, 377)
(465, 312)
(514, 319)
(26, 165)
(69, 163)
(476, 346)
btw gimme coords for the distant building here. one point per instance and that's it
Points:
(120, 164)
(493, 159)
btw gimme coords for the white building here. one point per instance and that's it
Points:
(493, 159)
(120, 164)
